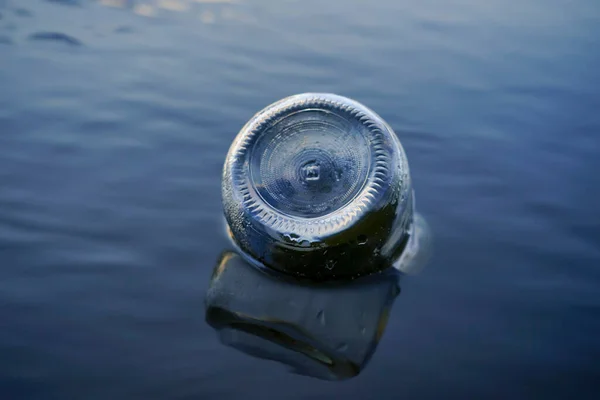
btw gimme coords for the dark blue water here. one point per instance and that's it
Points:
(116, 115)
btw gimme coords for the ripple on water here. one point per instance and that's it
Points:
(55, 37)
(21, 12)
(124, 29)
(5, 40)
(66, 2)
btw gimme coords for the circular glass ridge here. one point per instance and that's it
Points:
(311, 163)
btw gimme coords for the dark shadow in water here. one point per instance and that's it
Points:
(324, 331)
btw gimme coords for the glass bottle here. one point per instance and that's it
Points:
(317, 186)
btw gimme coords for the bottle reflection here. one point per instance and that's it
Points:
(326, 331)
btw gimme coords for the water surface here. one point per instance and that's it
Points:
(116, 115)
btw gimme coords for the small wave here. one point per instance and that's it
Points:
(6, 40)
(55, 37)
(124, 29)
(21, 12)
(66, 2)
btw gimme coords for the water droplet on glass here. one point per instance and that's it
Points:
(330, 264)
(321, 317)
(342, 347)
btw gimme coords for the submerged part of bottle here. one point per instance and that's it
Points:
(324, 331)
(318, 186)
